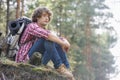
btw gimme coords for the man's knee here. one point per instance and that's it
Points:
(49, 43)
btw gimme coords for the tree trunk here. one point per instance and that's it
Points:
(0, 7)
(18, 9)
(22, 10)
(7, 16)
(87, 49)
(88, 44)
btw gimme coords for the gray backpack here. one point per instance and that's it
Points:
(16, 29)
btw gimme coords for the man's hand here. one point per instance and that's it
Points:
(66, 45)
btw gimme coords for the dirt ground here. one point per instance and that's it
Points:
(9, 70)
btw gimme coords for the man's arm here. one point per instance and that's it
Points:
(56, 39)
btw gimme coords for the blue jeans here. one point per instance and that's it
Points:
(50, 51)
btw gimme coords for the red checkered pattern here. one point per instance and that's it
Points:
(31, 33)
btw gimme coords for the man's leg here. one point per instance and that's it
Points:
(48, 50)
(64, 59)
(62, 55)
(36, 51)
(38, 46)
(51, 53)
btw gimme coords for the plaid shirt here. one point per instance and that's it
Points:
(31, 33)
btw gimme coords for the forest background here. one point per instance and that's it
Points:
(85, 23)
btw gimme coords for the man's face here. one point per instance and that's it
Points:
(43, 20)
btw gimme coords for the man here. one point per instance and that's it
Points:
(37, 39)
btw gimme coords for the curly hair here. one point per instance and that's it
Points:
(38, 13)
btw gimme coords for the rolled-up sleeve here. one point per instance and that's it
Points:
(37, 31)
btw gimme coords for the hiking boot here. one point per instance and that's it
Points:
(65, 72)
(36, 59)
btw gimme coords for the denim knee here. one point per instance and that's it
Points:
(49, 44)
(47, 55)
(52, 54)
